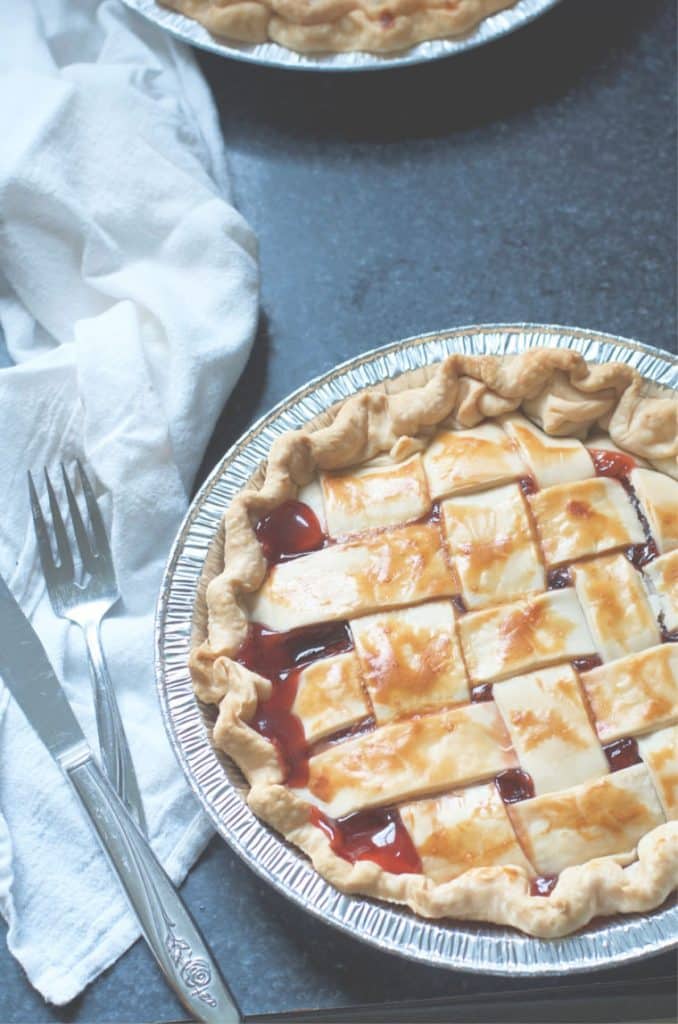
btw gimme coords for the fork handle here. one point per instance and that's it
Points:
(171, 933)
(115, 753)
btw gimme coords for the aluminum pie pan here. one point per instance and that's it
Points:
(218, 783)
(274, 55)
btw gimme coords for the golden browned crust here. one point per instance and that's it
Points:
(567, 397)
(312, 26)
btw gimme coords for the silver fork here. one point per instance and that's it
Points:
(86, 604)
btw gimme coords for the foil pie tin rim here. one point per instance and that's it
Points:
(272, 54)
(219, 785)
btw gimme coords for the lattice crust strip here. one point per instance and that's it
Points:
(635, 694)
(385, 493)
(471, 700)
(467, 828)
(609, 815)
(413, 757)
(659, 753)
(330, 696)
(616, 606)
(663, 578)
(491, 545)
(550, 729)
(411, 660)
(401, 566)
(513, 638)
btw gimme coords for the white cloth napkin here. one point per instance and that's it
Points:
(128, 301)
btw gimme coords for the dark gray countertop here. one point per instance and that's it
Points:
(533, 180)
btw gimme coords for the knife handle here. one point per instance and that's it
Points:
(171, 933)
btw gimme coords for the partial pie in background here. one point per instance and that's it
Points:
(443, 643)
(337, 26)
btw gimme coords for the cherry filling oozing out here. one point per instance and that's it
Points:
(558, 579)
(622, 753)
(434, 515)
(514, 784)
(611, 463)
(280, 658)
(269, 653)
(586, 663)
(528, 485)
(349, 733)
(378, 835)
(619, 465)
(639, 554)
(274, 720)
(290, 530)
(544, 885)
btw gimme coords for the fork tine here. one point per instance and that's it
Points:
(84, 546)
(41, 534)
(62, 542)
(96, 522)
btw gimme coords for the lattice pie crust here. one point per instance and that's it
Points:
(509, 606)
(375, 26)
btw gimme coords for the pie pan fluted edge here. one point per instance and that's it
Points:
(488, 949)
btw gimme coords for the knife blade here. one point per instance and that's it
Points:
(171, 933)
(23, 658)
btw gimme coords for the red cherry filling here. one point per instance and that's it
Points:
(558, 579)
(528, 485)
(514, 784)
(434, 515)
(610, 463)
(291, 529)
(640, 554)
(269, 653)
(587, 663)
(274, 720)
(377, 835)
(280, 657)
(544, 885)
(622, 753)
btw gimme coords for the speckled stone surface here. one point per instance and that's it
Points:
(534, 180)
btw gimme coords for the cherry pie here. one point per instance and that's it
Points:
(443, 643)
(334, 26)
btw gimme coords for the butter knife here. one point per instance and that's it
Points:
(171, 933)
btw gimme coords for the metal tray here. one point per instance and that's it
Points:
(277, 56)
(218, 783)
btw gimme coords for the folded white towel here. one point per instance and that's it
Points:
(128, 301)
